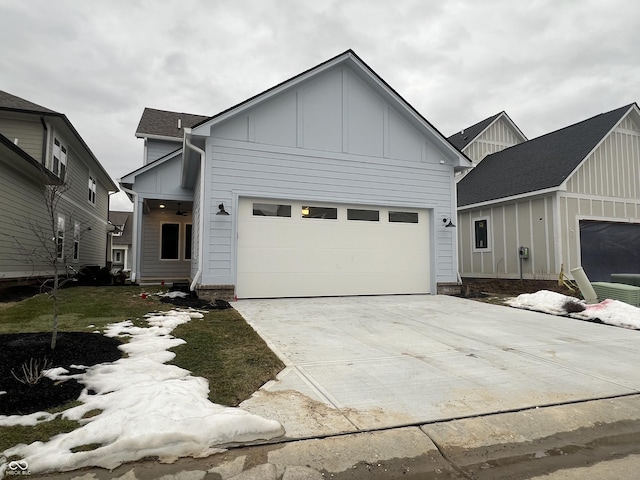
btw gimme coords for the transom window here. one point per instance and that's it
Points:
(329, 213)
(271, 210)
(364, 215)
(403, 217)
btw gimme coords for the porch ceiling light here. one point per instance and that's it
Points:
(161, 205)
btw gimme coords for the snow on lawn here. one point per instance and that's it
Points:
(612, 312)
(148, 408)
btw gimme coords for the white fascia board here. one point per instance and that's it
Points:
(513, 198)
(131, 177)
(159, 137)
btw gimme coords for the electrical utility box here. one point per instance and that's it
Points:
(523, 252)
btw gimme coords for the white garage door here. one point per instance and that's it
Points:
(299, 249)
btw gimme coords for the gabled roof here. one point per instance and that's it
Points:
(164, 124)
(122, 219)
(464, 137)
(16, 153)
(367, 74)
(12, 103)
(539, 164)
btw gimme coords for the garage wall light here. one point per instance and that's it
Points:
(446, 221)
(221, 210)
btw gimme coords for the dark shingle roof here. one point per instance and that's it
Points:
(11, 102)
(538, 164)
(466, 136)
(165, 124)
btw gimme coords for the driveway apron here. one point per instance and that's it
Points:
(366, 363)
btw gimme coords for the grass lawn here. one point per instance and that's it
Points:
(221, 347)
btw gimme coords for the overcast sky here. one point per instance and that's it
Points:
(547, 63)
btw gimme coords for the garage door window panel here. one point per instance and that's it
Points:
(403, 217)
(271, 210)
(328, 213)
(170, 241)
(363, 215)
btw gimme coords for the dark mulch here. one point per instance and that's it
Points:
(72, 348)
(478, 287)
(194, 302)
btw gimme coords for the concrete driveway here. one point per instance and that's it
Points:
(364, 363)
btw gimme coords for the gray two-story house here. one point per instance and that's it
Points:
(40, 150)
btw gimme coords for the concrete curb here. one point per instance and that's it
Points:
(508, 445)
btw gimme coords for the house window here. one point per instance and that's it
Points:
(188, 228)
(364, 215)
(481, 234)
(271, 210)
(60, 238)
(76, 241)
(117, 257)
(320, 212)
(403, 217)
(59, 158)
(92, 190)
(170, 241)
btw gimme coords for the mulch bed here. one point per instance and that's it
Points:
(72, 348)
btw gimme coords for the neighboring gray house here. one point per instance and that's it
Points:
(572, 197)
(121, 239)
(38, 147)
(329, 183)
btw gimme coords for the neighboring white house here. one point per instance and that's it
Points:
(329, 183)
(121, 239)
(571, 197)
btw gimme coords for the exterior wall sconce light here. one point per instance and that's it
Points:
(446, 221)
(221, 210)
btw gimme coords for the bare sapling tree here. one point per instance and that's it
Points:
(47, 250)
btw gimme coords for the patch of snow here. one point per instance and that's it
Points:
(611, 312)
(173, 294)
(148, 408)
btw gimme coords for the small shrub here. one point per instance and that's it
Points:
(32, 371)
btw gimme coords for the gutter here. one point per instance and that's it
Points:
(134, 235)
(188, 144)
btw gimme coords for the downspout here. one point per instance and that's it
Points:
(187, 142)
(45, 142)
(134, 235)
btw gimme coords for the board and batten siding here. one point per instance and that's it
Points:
(29, 133)
(497, 137)
(528, 223)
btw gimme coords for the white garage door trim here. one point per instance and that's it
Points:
(331, 250)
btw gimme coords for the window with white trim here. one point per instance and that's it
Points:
(76, 241)
(92, 190)
(60, 238)
(59, 167)
(481, 236)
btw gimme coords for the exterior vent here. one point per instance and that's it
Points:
(179, 123)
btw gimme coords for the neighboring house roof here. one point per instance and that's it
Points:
(122, 218)
(464, 137)
(164, 124)
(12, 103)
(539, 164)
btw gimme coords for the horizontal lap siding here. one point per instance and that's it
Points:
(29, 134)
(150, 265)
(249, 169)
